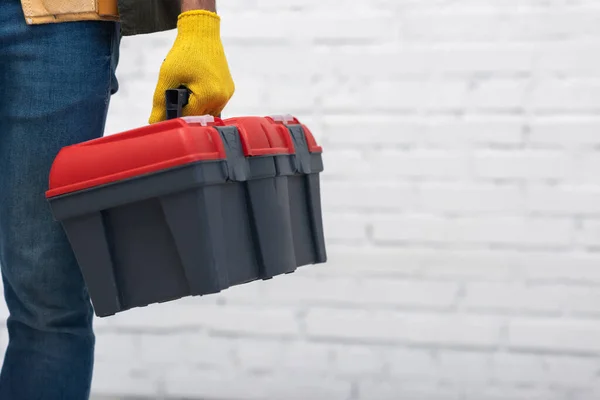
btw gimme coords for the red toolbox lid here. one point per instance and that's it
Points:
(260, 136)
(313, 147)
(164, 145)
(136, 152)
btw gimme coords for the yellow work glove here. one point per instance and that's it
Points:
(197, 61)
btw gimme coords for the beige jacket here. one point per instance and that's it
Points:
(50, 11)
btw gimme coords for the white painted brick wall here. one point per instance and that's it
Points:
(461, 199)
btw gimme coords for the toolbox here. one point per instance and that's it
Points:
(189, 206)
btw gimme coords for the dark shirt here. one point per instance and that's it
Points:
(147, 16)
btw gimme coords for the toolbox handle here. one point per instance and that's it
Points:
(176, 99)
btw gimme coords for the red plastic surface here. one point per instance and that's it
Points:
(310, 139)
(161, 146)
(260, 136)
(136, 152)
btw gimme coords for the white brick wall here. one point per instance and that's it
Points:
(461, 199)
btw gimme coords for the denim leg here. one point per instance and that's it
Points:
(55, 85)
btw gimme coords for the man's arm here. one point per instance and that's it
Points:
(187, 5)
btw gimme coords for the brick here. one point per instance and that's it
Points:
(515, 368)
(388, 95)
(366, 292)
(281, 100)
(173, 316)
(276, 30)
(457, 26)
(572, 58)
(550, 24)
(475, 24)
(389, 61)
(269, 5)
(292, 5)
(345, 164)
(566, 95)
(260, 356)
(338, 324)
(411, 229)
(407, 293)
(345, 226)
(412, 364)
(561, 267)
(249, 320)
(292, 289)
(356, 28)
(571, 371)
(371, 130)
(555, 335)
(213, 384)
(471, 58)
(290, 357)
(227, 386)
(520, 164)
(297, 63)
(469, 199)
(480, 131)
(589, 234)
(394, 390)
(444, 95)
(117, 347)
(156, 352)
(586, 169)
(370, 261)
(197, 349)
(570, 200)
(472, 265)
(421, 164)
(497, 94)
(357, 361)
(125, 378)
(515, 297)
(558, 298)
(513, 231)
(307, 358)
(511, 393)
(581, 299)
(367, 196)
(565, 131)
(343, 95)
(461, 367)
(440, 330)
(454, 330)
(282, 387)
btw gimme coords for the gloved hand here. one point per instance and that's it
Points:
(197, 61)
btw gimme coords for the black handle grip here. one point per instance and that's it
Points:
(176, 99)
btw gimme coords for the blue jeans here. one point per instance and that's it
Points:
(55, 84)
